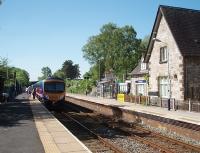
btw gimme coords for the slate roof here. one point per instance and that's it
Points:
(185, 27)
(137, 70)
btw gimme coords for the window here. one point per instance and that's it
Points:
(163, 54)
(143, 66)
(54, 87)
(163, 87)
(140, 89)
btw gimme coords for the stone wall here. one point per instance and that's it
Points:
(133, 84)
(157, 69)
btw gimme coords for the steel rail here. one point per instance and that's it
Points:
(186, 145)
(154, 145)
(104, 141)
(144, 141)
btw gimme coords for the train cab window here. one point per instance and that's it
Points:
(54, 87)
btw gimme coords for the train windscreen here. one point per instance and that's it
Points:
(54, 87)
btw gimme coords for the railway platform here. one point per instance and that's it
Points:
(26, 126)
(181, 122)
(185, 116)
(18, 133)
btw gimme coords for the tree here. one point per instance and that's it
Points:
(144, 43)
(46, 72)
(22, 76)
(114, 48)
(8, 73)
(70, 70)
(4, 67)
(60, 74)
(145, 40)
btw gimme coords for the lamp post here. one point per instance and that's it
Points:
(100, 67)
(15, 83)
(99, 70)
(168, 72)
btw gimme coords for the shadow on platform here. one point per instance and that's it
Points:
(16, 113)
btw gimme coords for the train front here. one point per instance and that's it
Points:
(54, 91)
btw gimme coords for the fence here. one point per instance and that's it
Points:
(144, 100)
(187, 105)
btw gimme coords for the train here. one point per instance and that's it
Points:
(51, 91)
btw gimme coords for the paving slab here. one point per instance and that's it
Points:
(54, 136)
(18, 133)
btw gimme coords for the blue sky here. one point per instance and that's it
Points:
(38, 33)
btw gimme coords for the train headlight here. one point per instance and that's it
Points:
(46, 96)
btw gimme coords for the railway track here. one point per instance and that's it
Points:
(103, 141)
(92, 140)
(116, 136)
(157, 141)
(167, 144)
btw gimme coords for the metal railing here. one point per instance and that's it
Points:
(187, 105)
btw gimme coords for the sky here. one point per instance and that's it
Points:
(40, 33)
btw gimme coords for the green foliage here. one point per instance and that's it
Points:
(87, 75)
(70, 70)
(4, 67)
(46, 72)
(116, 48)
(93, 74)
(22, 76)
(3, 62)
(79, 86)
(59, 74)
(144, 43)
(8, 73)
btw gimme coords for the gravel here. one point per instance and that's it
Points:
(131, 146)
(173, 135)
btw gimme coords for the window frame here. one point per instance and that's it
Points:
(140, 87)
(163, 86)
(143, 66)
(163, 54)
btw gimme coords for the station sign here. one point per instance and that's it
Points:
(140, 81)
